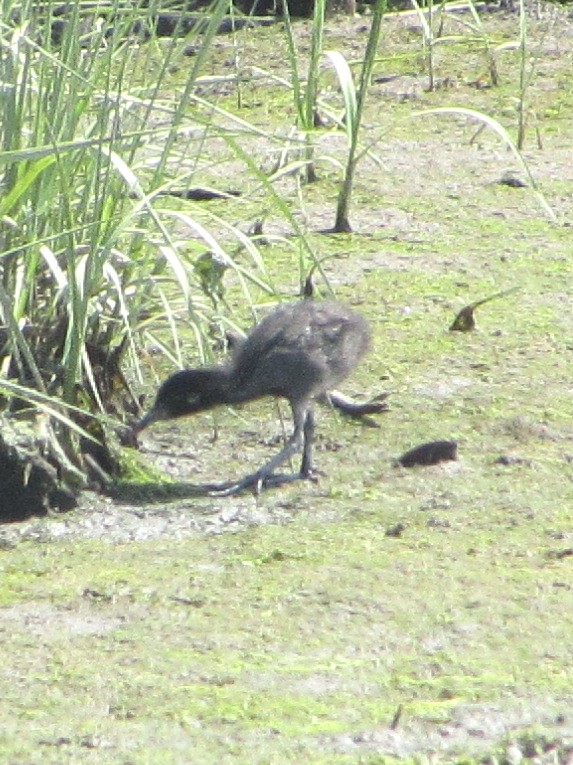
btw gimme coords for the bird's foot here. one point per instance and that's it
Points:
(356, 409)
(259, 481)
(376, 405)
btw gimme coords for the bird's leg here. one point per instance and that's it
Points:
(264, 476)
(301, 440)
(306, 467)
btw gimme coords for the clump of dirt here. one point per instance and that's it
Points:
(30, 483)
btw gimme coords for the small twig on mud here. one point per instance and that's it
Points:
(396, 719)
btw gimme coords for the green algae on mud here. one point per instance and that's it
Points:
(316, 631)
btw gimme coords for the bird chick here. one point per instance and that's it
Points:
(298, 352)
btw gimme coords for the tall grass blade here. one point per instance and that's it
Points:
(342, 222)
(497, 128)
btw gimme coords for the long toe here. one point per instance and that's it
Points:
(257, 482)
(356, 409)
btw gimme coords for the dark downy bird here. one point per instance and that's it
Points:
(298, 352)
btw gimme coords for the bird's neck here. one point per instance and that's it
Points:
(226, 387)
(219, 387)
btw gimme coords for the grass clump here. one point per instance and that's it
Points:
(89, 141)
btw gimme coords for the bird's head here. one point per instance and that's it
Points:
(184, 393)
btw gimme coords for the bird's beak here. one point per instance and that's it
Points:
(153, 416)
